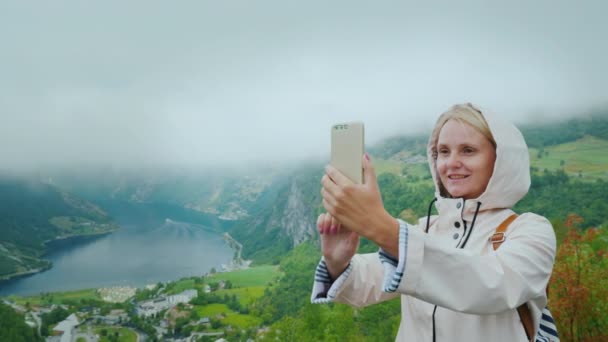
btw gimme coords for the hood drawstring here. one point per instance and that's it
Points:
(472, 224)
(428, 215)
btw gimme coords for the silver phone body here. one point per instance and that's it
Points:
(347, 148)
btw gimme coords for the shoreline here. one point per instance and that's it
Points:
(49, 264)
(24, 274)
(68, 241)
(236, 263)
(66, 238)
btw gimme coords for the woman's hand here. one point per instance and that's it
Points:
(359, 206)
(338, 244)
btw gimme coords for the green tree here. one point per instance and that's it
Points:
(13, 327)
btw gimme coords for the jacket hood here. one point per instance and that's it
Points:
(511, 178)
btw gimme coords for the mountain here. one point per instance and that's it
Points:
(33, 213)
(227, 194)
(271, 210)
(571, 176)
(287, 222)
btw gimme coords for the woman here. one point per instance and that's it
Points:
(454, 286)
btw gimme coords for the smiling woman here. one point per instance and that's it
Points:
(455, 284)
(465, 152)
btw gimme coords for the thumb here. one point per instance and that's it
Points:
(369, 173)
(353, 237)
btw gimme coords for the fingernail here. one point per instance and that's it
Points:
(366, 156)
(333, 229)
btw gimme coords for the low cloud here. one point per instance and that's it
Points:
(204, 83)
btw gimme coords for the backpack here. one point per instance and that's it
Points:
(547, 331)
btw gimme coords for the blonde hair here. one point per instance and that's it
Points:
(464, 113)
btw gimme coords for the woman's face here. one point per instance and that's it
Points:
(465, 160)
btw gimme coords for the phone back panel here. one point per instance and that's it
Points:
(347, 147)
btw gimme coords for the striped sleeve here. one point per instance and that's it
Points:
(547, 330)
(394, 268)
(324, 290)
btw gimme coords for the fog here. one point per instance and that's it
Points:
(204, 83)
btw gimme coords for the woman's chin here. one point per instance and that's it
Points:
(459, 193)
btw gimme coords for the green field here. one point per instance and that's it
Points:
(245, 295)
(184, 284)
(72, 225)
(212, 310)
(255, 276)
(242, 321)
(232, 318)
(396, 167)
(56, 297)
(124, 334)
(587, 157)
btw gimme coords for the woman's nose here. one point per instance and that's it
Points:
(453, 161)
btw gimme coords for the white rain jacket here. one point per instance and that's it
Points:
(453, 285)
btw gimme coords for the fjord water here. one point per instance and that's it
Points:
(146, 250)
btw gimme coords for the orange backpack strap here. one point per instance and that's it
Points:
(499, 235)
(524, 312)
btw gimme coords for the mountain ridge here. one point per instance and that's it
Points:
(272, 210)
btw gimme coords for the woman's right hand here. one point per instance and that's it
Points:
(338, 244)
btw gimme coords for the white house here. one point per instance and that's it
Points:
(183, 297)
(65, 328)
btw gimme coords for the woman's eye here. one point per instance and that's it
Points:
(468, 150)
(443, 151)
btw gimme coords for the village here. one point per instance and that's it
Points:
(157, 316)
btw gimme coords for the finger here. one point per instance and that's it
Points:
(369, 173)
(329, 186)
(353, 237)
(328, 198)
(334, 226)
(337, 177)
(328, 206)
(327, 223)
(320, 223)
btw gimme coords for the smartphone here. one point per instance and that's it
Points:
(347, 148)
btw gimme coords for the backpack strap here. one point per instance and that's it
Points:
(524, 312)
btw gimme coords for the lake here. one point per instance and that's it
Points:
(143, 252)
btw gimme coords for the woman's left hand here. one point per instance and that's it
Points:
(358, 206)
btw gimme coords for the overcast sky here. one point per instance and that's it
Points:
(206, 82)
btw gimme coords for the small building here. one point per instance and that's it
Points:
(113, 319)
(66, 327)
(183, 297)
(204, 320)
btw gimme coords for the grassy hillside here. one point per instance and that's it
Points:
(586, 158)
